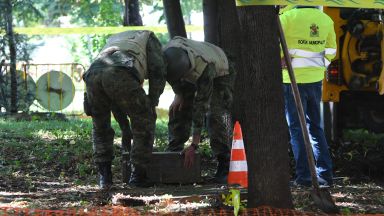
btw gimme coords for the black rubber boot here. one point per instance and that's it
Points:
(105, 175)
(221, 175)
(139, 177)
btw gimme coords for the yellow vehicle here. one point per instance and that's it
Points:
(354, 81)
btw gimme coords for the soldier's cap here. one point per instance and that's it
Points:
(178, 64)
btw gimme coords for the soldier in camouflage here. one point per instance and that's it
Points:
(114, 83)
(202, 80)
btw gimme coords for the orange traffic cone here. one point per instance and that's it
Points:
(238, 169)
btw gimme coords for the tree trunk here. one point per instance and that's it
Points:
(132, 15)
(211, 33)
(126, 13)
(222, 28)
(12, 54)
(261, 112)
(174, 18)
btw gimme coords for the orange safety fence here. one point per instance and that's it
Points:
(119, 210)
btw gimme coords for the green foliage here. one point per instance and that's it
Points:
(161, 135)
(85, 12)
(187, 8)
(163, 38)
(346, 211)
(233, 199)
(92, 44)
(24, 14)
(97, 13)
(360, 154)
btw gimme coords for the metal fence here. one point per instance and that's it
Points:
(45, 88)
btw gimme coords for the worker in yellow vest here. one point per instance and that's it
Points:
(311, 41)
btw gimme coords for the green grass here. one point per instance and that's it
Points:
(360, 155)
(60, 149)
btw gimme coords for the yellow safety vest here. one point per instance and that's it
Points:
(200, 55)
(311, 42)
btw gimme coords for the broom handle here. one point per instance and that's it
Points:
(299, 106)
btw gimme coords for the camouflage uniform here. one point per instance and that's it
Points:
(114, 83)
(211, 96)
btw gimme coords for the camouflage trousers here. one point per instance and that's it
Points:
(219, 120)
(118, 90)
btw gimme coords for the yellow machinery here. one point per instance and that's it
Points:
(354, 82)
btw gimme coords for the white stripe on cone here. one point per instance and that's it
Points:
(238, 144)
(238, 166)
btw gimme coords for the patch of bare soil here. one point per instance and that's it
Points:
(52, 194)
(350, 197)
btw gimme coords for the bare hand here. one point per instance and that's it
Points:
(283, 63)
(189, 156)
(177, 105)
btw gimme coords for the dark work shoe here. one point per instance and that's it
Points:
(139, 177)
(105, 175)
(324, 182)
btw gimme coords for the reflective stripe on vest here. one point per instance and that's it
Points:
(330, 51)
(326, 62)
(308, 62)
(306, 54)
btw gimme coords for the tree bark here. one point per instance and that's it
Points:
(210, 12)
(132, 15)
(222, 28)
(126, 13)
(174, 18)
(12, 54)
(261, 111)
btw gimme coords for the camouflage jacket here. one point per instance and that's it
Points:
(155, 66)
(202, 90)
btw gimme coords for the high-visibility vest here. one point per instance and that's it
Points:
(200, 55)
(135, 43)
(311, 42)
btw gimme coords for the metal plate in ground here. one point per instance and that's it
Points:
(55, 90)
(168, 167)
(26, 91)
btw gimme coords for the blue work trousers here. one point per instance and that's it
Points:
(310, 94)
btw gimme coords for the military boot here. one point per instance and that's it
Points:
(105, 175)
(139, 177)
(221, 175)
